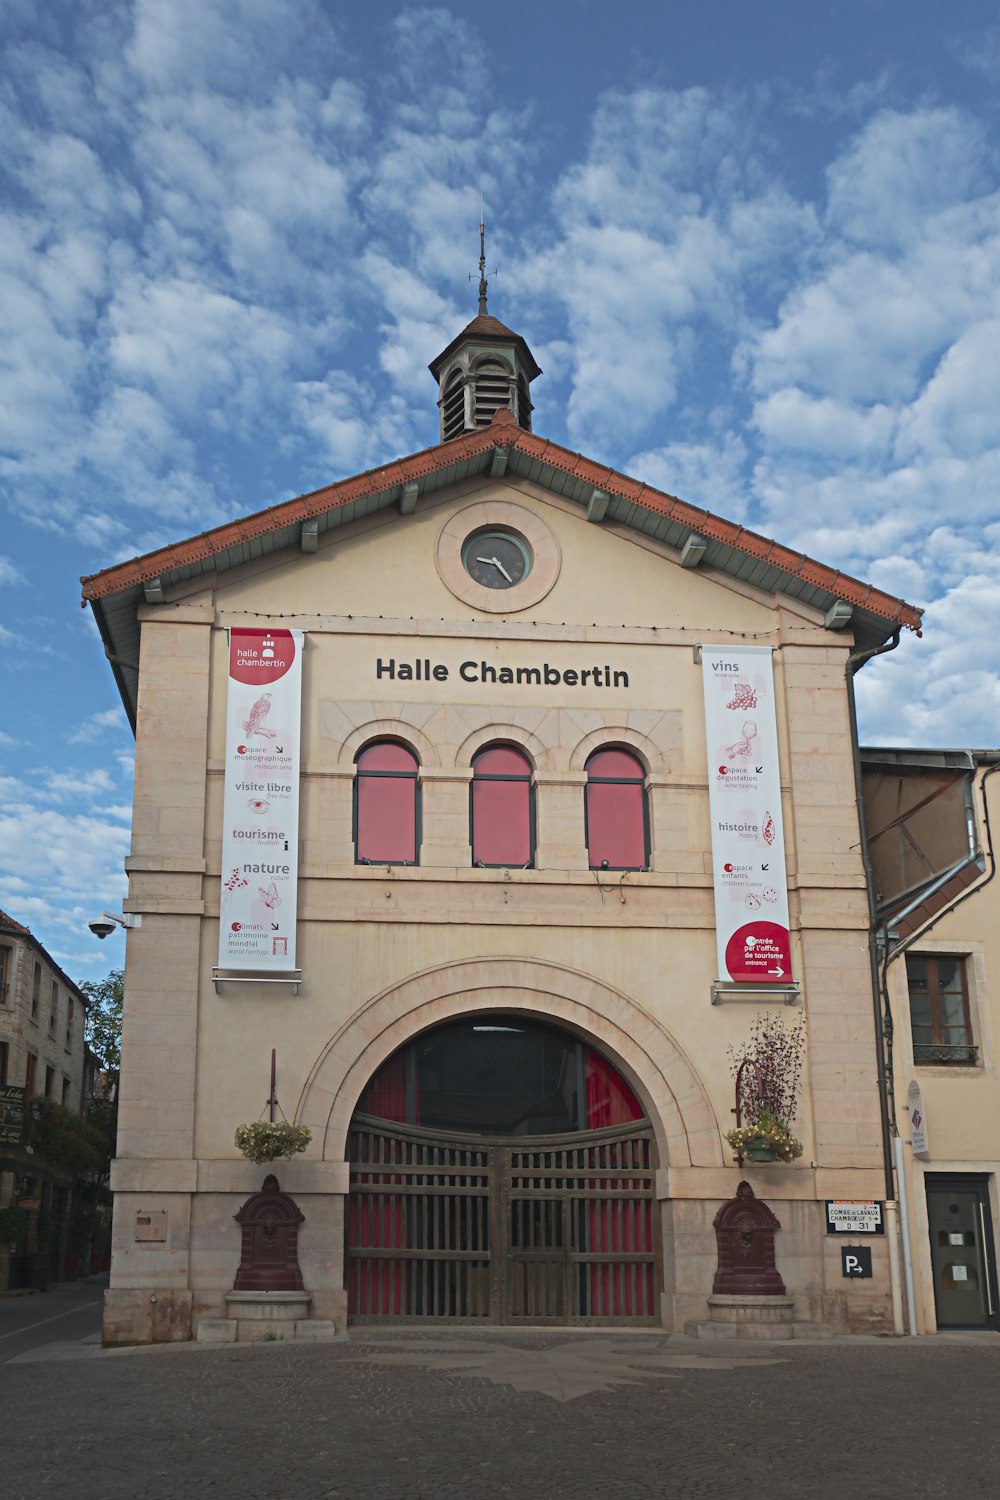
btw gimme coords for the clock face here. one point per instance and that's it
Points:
(496, 559)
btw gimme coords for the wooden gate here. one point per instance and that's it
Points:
(552, 1229)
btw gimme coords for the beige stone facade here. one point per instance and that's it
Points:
(387, 951)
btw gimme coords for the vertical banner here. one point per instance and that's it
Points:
(744, 785)
(260, 818)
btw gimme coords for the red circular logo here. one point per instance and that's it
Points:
(759, 951)
(236, 926)
(260, 656)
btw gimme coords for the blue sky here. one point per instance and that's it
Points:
(755, 249)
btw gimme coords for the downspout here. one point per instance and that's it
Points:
(855, 662)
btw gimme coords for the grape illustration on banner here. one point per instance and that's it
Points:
(743, 696)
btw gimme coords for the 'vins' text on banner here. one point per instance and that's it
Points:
(748, 846)
(261, 805)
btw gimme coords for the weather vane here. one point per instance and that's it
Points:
(484, 276)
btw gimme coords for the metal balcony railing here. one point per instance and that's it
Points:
(930, 1052)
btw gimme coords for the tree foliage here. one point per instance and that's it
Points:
(67, 1139)
(104, 1021)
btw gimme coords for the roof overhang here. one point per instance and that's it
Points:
(116, 593)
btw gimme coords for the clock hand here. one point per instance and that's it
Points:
(489, 561)
(498, 564)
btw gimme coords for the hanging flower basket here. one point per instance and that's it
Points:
(266, 1140)
(767, 1139)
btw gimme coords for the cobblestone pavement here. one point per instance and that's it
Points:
(473, 1415)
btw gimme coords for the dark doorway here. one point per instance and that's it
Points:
(503, 1172)
(962, 1251)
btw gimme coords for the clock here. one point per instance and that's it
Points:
(497, 559)
(497, 556)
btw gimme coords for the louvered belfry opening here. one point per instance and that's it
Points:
(524, 407)
(492, 386)
(453, 406)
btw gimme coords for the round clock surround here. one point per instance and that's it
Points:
(497, 556)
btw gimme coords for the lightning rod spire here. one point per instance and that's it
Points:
(482, 258)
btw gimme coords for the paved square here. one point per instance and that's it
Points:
(471, 1415)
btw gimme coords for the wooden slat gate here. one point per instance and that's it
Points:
(554, 1229)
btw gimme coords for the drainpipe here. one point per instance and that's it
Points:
(855, 661)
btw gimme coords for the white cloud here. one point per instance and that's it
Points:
(67, 859)
(901, 170)
(707, 474)
(83, 787)
(10, 573)
(826, 427)
(95, 726)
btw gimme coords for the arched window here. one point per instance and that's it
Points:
(386, 805)
(502, 808)
(616, 815)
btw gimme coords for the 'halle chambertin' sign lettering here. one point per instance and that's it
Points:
(422, 669)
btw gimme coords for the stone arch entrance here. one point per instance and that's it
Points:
(553, 1228)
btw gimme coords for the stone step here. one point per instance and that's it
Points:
(767, 1333)
(266, 1330)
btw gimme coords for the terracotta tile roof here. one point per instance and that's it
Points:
(503, 432)
(490, 329)
(9, 925)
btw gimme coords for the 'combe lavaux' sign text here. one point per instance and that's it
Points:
(422, 669)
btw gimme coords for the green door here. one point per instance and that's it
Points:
(962, 1252)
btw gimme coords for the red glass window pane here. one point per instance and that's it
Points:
(616, 824)
(501, 822)
(387, 804)
(387, 756)
(501, 760)
(616, 763)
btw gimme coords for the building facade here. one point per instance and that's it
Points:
(505, 1024)
(43, 1054)
(931, 848)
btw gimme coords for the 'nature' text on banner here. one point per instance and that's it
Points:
(748, 847)
(261, 804)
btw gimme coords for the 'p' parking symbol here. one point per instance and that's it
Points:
(856, 1260)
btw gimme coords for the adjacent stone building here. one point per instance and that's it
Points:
(42, 1053)
(499, 1008)
(938, 924)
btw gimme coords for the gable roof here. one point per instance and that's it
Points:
(502, 447)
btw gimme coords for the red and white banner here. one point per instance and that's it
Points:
(261, 804)
(744, 785)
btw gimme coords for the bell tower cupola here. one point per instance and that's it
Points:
(486, 367)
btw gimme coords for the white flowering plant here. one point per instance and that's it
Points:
(266, 1140)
